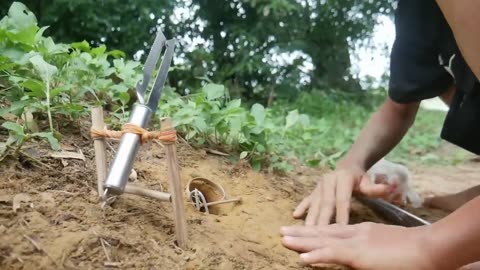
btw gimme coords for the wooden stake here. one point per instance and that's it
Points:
(175, 184)
(100, 151)
(161, 196)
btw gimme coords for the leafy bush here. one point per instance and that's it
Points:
(45, 85)
(39, 76)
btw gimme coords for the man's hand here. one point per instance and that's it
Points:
(334, 193)
(365, 246)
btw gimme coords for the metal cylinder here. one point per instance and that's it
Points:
(127, 151)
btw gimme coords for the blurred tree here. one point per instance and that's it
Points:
(261, 49)
(126, 25)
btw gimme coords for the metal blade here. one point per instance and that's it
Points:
(161, 76)
(149, 66)
(392, 213)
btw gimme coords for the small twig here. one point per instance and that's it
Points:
(17, 151)
(216, 152)
(108, 201)
(17, 257)
(112, 264)
(40, 248)
(36, 160)
(224, 201)
(161, 196)
(111, 147)
(105, 250)
(185, 141)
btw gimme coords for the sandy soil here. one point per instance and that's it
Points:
(63, 226)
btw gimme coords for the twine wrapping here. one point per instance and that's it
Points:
(168, 136)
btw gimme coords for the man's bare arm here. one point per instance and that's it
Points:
(382, 133)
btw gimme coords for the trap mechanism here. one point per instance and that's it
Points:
(141, 114)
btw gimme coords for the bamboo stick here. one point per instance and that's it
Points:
(224, 201)
(161, 196)
(175, 184)
(100, 149)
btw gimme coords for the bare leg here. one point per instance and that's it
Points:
(452, 202)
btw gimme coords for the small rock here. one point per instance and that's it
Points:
(269, 199)
(133, 176)
(19, 198)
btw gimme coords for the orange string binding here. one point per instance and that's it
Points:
(165, 136)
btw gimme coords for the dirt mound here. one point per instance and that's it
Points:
(58, 222)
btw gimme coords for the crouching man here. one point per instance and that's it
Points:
(436, 53)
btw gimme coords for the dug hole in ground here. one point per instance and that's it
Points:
(50, 217)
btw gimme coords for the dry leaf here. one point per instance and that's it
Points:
(18, 199)
(30, 121)
(64, 163)
(67, 154)
(66, 147)
(9, 117)
(216, 152)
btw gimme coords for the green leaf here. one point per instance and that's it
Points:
(7, 66)
(258, 112)
(291, 119)
(124, 97)
(82, 46)
(99, 50)
(119, 88)
(214, 91)
(116, 54)
(39, 34)
(243, 154)
(21, 17)
(25, 36)
(51, 139)
(36, 86)
(256, 165)
(304, 120)
(261, 148)
(234, 104)
(44, 69)
(17, 107)
(14, 127)
(191, 134)
(313, 162)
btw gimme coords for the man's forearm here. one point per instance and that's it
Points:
(455, 240)
(383, 132)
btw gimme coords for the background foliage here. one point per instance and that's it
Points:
(258, 48)
(230, 91)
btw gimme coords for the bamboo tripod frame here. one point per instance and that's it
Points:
(175, 197)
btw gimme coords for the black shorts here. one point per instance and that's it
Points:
(421, 52)
(425, 62)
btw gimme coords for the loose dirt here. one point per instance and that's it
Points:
(58, 222)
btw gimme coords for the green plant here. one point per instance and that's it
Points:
(39, 77)
(45, 86)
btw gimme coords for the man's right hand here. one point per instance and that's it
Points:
(333, 194)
